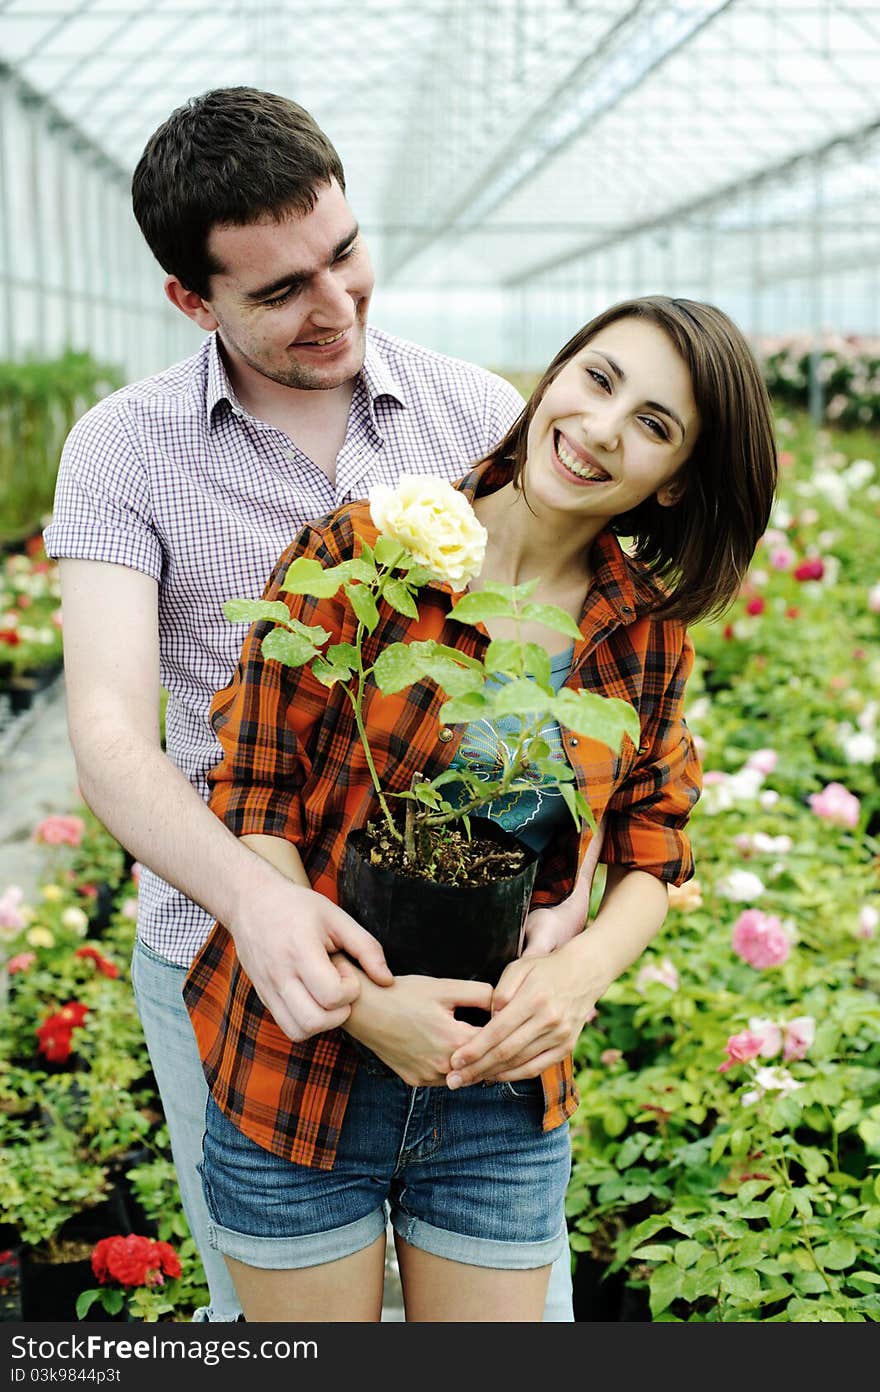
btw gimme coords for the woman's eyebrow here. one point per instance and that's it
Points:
(652, 405)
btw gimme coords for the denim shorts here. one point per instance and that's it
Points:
(468, 1175)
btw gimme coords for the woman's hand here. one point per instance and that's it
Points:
(411, 1024)
(547, 929)
(539, 1007)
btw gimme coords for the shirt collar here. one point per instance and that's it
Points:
(377, 377)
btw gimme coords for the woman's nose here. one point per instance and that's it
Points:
(602, 426)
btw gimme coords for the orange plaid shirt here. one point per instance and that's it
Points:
(293, 767)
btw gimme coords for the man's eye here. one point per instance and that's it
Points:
(349, 252)
(277, 300)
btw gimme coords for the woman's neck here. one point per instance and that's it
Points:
(525, 545)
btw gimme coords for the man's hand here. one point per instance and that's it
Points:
(539, 1008)
(411, 1025)
(284, 936)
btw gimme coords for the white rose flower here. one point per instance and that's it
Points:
(75, 919)
(435, 522)
(741, 886)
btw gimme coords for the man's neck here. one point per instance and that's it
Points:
(315, 421)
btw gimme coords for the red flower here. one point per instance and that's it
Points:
(9, 636)
(24, 601)
(34, 546)
(792, 612)
(134, 1261)
(102, 963)
(88, 891)
(727, 632)
(55, 1034)
(756, 605)
(811, 569)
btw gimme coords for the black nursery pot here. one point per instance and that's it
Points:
(429, 929)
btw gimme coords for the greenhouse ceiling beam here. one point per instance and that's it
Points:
(48, 35)
(707, 203)
(59, 121)
(635, 47)
(119, 77)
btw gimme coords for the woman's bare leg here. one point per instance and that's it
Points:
(348, 1290)
(440, 1291)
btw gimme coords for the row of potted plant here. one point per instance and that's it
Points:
(847, 368)
(30, 623)
(90, 1216)
(727, 1146)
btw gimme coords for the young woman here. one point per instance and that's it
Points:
(651, 425)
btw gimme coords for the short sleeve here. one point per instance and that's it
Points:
(102, 509)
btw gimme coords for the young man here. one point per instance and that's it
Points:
(181, 491)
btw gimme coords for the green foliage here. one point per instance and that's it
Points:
(39, 403)
(722, 1200)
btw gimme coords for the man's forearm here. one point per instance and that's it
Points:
(152, 810)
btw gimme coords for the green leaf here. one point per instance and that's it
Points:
(249, 610)
(869, 1130)
(85, 1300)
(602, 718)
(343, 655)
(388, 551)
(519, 697)
(399, 598)
(364, 605)
(537, 662)
(482, 605)
(665, 1286)
(654, 1251)
(328, 673)
(744, 1284)
(291, 649)
(577, 805)
(461, 710)
(837, 1255)
(504, 656)
(551, 616)
(359, 569)
(308, 576)
(687, 1253)
(780, 1207)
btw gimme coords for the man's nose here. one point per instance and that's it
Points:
(332, 306)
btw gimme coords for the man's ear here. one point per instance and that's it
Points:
(671, 493)
(190, 304)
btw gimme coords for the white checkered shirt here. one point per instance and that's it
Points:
(171, 476)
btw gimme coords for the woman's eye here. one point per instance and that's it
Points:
(656, 427)
(599, 378)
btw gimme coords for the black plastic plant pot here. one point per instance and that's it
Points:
(432, 929)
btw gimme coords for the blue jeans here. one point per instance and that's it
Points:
(158, 984)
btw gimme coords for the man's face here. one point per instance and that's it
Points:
(291, 298)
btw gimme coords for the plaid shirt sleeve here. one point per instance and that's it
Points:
(647, 813)
(263, 718)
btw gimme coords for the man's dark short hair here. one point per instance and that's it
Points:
(231, 156)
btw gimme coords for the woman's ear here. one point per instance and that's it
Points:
(672, 492)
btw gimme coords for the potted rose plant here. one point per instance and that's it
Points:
(444, 889)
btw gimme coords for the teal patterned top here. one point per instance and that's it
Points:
(533, 816)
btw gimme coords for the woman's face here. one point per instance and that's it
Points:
(614, 427)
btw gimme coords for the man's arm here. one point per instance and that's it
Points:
(283, 932)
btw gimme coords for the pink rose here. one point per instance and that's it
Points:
(782, 558)
(60, 831)
(740, 1048)
(836, 805)
(760, 939)
(664, 974)
(869, 919)
(763, 761)
(799, 1036)
(769, 1034)
(10, 906)
(811, 569)
(20, 962)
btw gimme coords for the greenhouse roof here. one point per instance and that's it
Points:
(485, 142)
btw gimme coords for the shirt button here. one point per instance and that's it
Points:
(573, 739)
(626, 609)
(445, 734)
